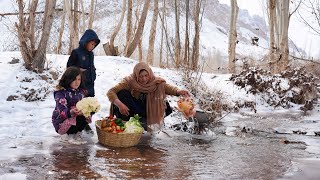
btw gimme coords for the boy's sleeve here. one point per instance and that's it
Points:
(73, 59)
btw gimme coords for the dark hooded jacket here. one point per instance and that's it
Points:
(82, 58)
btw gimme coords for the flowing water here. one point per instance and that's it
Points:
(260, 152)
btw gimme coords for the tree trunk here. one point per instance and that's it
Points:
(31, 24)
(284, 49)
(82, 27)
(63, 21)
(272, 47)
(110, 47)
(195, 52)
(233, 36)
(132, 46)
(152, 35)
(161, 64)
(24, 49)
(140, 50)
(186, 38)
(40, 56)
(129, 24)
(91, 14)
(167, 40)
(177, 34)
(73, 42)
(76, 19)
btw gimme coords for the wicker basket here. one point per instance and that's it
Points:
(117, 139)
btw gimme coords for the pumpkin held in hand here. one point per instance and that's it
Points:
(186, 106)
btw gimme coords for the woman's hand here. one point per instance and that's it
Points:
(184, 93)
(124, 110)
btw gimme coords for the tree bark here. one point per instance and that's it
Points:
(272, 47)
(76, 19)
(186, 38)
(111, 49)
(177, 34)
(195, 52)
(24, 49)
(73, 42)
(129, 24)
(91, 14)
(40, 56)
(284, 47)
(233, 36)
(63, 21)
(137, 37)
(152, 36)
(82, 27)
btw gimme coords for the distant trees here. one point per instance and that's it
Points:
(33, 52)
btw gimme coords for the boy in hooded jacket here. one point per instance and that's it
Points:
(83, 58)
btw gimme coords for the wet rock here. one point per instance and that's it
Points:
(12, 98)
(299, 132)
(14, 61)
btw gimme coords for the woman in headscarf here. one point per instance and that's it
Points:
(143, 93)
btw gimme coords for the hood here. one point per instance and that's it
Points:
(88, 35)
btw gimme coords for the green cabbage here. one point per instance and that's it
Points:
(133, 125)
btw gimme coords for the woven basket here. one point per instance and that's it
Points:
(117, 139)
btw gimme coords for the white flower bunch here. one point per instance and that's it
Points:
(88, 105)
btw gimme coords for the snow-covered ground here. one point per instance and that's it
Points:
(26, 129)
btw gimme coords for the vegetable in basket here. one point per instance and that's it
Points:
(133, 125)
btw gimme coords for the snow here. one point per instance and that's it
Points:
(26, 128)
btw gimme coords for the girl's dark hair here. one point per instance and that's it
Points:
(69, 76)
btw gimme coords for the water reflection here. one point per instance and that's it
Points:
(71, 161)
(133, 162)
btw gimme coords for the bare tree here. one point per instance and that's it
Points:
(73, 41)
(82, 27)
(137, 37)
(109, 47)
(152, 35)
(312, 9)
(162, 35)
(272, 19)
(129, 24)
(169, 53)
(76, 19)
(195, 51)
(91, 14)
(186, 38)
(279, 18)
(34, 57)
(233, 36)
(63, 20)
(177, 34)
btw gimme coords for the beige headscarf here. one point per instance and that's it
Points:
(155, 90)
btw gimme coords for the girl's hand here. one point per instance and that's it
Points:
(184, 93)
(75, 112)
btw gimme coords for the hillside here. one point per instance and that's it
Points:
(213, 35)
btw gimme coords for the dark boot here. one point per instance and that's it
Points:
(88, 129)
